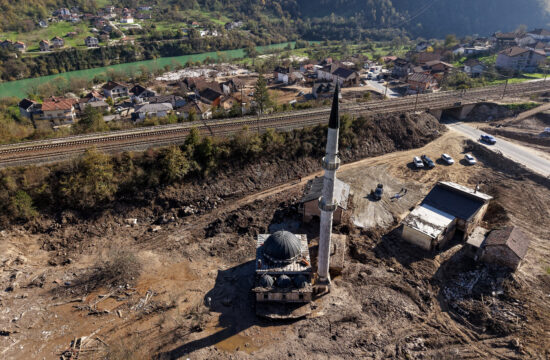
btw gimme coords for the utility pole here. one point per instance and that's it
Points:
(505, 87)
(416, 102)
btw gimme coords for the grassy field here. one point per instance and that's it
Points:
(32, 38)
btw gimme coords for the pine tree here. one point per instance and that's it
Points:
(261, 95)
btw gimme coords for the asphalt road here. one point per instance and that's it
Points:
(521, 154)
(381, 88)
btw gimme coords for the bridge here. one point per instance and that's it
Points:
(458, 103)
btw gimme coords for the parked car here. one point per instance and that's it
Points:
(447, 158)
(378, 192)
(418, 163)
(470, 159)
(428, 162)
(488, 139)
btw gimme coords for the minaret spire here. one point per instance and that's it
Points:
(327, 203)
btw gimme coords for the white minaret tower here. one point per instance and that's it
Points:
(327, 203)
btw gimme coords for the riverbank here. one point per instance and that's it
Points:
(18, 88)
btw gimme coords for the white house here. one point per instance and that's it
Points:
(149, 110)
(115, 90)
(519, 59)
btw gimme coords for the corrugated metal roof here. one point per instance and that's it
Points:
(428, 220)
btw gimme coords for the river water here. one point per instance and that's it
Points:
(19, 88)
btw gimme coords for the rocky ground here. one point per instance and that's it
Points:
(172, 280)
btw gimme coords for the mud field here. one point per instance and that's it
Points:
(141, 285)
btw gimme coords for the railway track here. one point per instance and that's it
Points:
(47, 151)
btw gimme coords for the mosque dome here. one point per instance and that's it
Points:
(266, 281)
(284, 281)
(300, 281)
(282, 247)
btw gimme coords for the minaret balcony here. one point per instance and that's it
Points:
(323, 206)
(331, 165)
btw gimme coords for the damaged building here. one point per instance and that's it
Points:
(505, 247)
(448, 208)
(312, 194)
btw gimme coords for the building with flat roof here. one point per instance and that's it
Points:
(448, 207)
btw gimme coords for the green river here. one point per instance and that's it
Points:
(19, 88)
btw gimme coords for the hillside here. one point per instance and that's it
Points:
(319, 19)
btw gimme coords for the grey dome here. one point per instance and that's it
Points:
(284, 281)
(282, 246)
(266, 281)
(300, 281)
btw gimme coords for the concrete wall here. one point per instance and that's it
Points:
(288, 296)
(416, 238)
(500, 255)
(311, 209)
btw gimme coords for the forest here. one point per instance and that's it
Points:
(323, 19)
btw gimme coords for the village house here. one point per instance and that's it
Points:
(6, 44)
(115, 90)
(233, 25)
(282, 74)
(504, 247)
(232, 85)
(92, 96)
(28, 108)
(91, 41)
(127, 19)
(312, 194)
(448, 208)
(424, 57)
(422, 46)
(520, 59)
(458, 50)
(152, 110)
(176, 101)
(44, 45)
(421, 82)
(140, 93)
(323, 90)
(20, 46)
(60, 111)
(540, 34)
(526, 40)
(475, 50)
(346, 77)
(100, 105)
(334, 72)
(502, 40)
(438, 66)
(474, 68)
(211, 96)
(43, 24)
(57, 42)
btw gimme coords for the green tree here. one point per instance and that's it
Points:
(22, 206)
(173, 164)
(91, 121)
(91, 182)
(261, 95)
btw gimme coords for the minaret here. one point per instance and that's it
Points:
(327, 203)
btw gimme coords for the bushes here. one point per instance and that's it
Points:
(90, 183)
